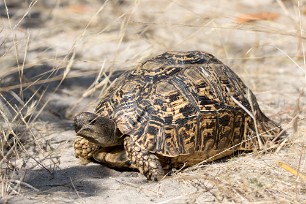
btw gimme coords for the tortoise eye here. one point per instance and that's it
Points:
(92, 121)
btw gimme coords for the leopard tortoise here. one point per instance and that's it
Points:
(178, 108)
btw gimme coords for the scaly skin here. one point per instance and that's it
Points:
(146, 162)
(84, 150)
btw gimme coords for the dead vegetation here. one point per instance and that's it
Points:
(57, 58)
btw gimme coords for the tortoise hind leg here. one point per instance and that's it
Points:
(146, 162)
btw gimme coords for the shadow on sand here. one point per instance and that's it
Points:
(83, 180)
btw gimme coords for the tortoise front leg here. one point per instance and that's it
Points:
(114, 157)
(146, 162)
(84, 150)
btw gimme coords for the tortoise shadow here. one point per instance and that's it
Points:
(84, 180)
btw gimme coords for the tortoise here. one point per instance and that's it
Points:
(176, 109)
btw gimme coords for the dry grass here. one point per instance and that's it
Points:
(57, 57)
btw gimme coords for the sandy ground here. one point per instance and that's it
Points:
(57, 58)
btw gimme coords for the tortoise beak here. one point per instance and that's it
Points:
(82, 120)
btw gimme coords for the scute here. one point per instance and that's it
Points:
(165, 88)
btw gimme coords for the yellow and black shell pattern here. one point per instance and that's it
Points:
(179, 103)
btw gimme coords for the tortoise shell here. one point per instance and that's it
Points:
(180, 103)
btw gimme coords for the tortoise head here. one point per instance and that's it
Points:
(97, 129)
